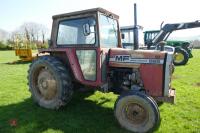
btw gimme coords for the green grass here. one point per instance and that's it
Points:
(91, 113)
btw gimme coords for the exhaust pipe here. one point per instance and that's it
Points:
(135, 29)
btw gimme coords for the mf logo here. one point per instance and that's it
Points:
(122, 58)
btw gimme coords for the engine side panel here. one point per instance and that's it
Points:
(152, 77)
(150, 64)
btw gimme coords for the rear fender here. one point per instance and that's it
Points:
(69, 57)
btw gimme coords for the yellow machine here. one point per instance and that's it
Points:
(23, 49)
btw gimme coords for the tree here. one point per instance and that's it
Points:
(32, 32)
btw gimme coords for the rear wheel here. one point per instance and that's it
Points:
(137, 112)
(181, 56)
(49, 82)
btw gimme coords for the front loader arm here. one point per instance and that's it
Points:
(169, 28)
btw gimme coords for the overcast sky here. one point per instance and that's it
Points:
(151, 13)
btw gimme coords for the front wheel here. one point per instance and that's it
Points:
(137, 112)
(181, 56)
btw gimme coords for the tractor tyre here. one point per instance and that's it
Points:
(49, 82)
(137, 112)
(181, 56)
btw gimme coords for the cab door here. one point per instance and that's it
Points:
(108, 38)
(79, 37)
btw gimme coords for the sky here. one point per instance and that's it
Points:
(151, 13)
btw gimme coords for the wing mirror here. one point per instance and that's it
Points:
(86, 29)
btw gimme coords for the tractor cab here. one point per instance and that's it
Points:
(89, 28)
(87, 37)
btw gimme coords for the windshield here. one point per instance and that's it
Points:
(108, 31)
(71, 31)
(128, 36)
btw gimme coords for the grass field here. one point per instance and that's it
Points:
(91, 113)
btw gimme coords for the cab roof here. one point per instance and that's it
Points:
(82, 12)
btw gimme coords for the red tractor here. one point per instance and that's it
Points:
(85, 48)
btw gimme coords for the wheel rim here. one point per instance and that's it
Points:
(179, 57)
(47, 87)
(135, 113)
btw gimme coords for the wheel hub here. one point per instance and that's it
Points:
(47, 84)
(135, 113)
(44, 84)
(179, 57)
